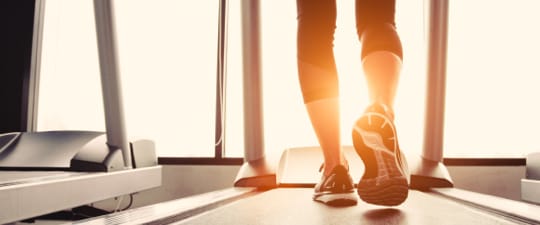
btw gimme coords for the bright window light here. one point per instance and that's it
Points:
(285, 120)
(167, 54)
(69, 85)
(493, 77)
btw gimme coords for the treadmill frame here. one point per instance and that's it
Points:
(428, 171)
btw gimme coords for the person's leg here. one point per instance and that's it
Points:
(385, 179)
(319, 84)
(382, 69)
(318, 75)
(382, 53)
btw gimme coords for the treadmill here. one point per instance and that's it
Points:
(271, 190)
(290, 202)
(50, 171)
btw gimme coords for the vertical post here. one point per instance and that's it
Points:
(253, 115)
(220, 81)
(110, 78)
(436, 80)
(35, 67)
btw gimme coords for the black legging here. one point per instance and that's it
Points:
(316, 25)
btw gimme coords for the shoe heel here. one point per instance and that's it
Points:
(384, 182)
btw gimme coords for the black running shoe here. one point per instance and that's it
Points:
(336, 189)
(386, 177)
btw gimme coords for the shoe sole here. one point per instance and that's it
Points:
(337, 199)
(390, 186)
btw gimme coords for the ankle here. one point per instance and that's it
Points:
(381, 106)
(327, 168)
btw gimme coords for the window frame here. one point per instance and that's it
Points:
(29, 90)
(220, 157)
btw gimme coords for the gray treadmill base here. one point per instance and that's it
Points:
(427, 174)
(260, 173)
(298, 167)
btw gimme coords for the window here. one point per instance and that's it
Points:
(492, 85)
(492, 77)
(167, 54)
(285, 120)
(69, 86)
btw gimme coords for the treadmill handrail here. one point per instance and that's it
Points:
(110, 78)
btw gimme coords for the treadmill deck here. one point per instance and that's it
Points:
(295, 206)
(26, 194)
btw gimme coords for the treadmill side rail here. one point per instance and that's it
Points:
(65, 190)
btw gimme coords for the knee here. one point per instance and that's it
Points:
(380, 37)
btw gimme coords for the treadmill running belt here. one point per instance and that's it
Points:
(294, 206)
